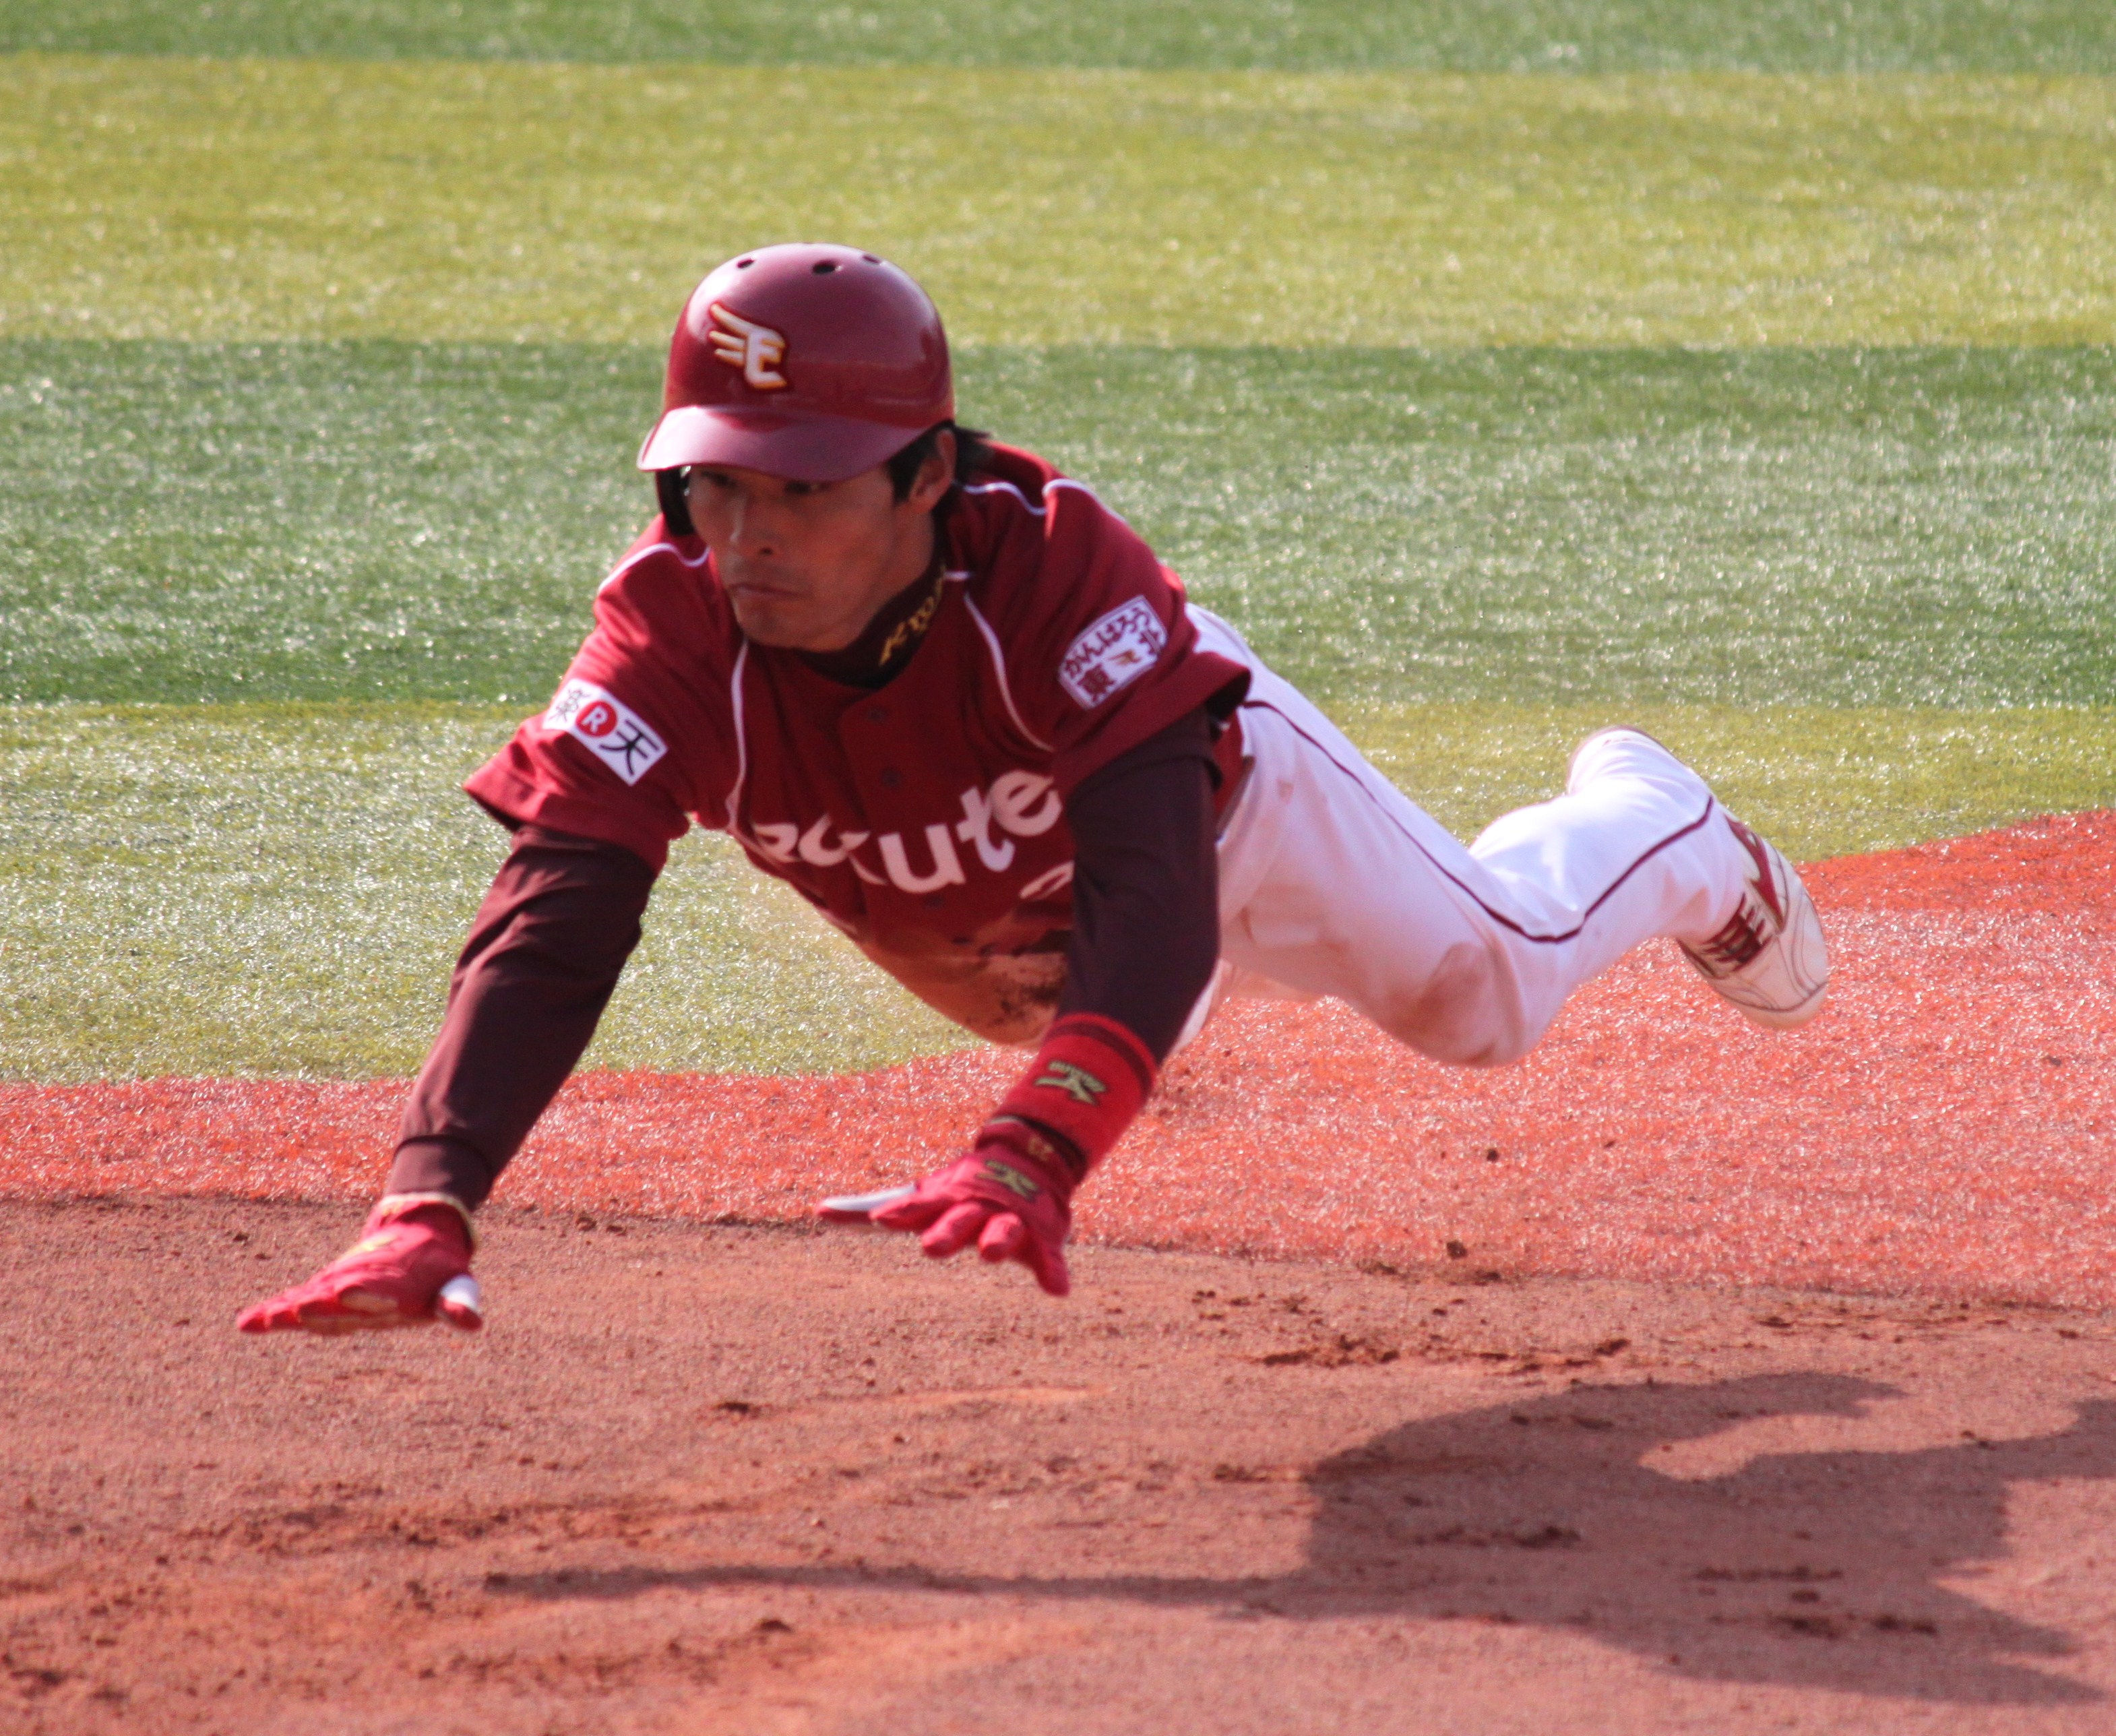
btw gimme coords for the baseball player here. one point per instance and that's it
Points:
(953, 700)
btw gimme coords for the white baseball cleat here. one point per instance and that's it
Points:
(1770, 959)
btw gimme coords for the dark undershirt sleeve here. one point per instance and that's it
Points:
(1145, 886)
(543, 956)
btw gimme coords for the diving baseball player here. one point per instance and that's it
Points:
(955, 701)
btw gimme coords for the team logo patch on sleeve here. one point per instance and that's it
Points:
(607, 727)
(1116, 649)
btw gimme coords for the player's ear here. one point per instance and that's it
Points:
(936, 473)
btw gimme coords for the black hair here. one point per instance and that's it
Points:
(972, 453)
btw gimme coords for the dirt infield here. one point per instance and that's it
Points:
(755, 1477)
(1946, 1128)
(700, 1478)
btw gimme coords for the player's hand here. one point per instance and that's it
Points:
(1012, 1205)
(409, 1268)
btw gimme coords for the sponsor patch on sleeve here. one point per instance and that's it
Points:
(1113, 652)
(607, 727)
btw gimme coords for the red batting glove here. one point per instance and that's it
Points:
(1012, 1194)
(1014, 1205)
(409, 1268)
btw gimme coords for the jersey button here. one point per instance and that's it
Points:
(877, 714)
(890, 777)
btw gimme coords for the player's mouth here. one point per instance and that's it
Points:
(749, 591)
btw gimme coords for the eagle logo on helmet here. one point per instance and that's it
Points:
(756, 349)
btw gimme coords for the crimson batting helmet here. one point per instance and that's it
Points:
(805, 361)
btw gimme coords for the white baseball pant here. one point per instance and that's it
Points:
(1333, 882)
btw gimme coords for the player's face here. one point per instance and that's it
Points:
(806, 564)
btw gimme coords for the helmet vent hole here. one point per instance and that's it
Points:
(744, 265)
(823, 267)
(870, 259)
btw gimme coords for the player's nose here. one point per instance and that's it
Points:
(752, 528)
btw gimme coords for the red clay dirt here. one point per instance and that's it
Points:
(1946, 1128)
(767, 1480)
(763, 1478)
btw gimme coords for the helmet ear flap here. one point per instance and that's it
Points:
(670, 486)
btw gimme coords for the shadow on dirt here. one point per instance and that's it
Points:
(1815, 1569)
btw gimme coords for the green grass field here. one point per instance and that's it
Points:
(1746, 372)
(160, 198)
(282, 889)
(1472, 35)
(1881, 527)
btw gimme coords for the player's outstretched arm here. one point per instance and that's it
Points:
(543, 956)
(1145, 942)
(410, 1267)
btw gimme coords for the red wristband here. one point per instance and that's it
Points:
(1090, 1078)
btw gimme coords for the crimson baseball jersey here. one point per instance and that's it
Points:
(924, 818)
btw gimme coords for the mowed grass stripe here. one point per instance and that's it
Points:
(258, 890)
(380, 520)
(1591, 35)
(289, 199)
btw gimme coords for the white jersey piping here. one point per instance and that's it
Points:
(741, 740)
(999, 668)
(630, 561)
(1008, 488)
